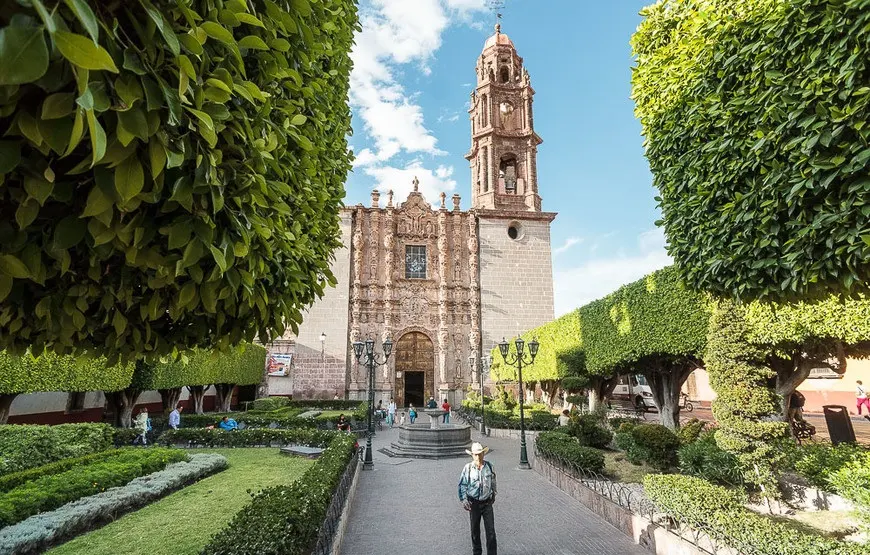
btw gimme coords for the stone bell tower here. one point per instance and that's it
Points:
(516, 268)
(504, 144)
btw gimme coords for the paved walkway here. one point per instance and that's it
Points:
(410, 507)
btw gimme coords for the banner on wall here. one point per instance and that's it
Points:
(279, 364)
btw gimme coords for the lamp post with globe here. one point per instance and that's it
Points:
(518, 360)
(372, 361)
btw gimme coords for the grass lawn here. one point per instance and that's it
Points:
(182, 523)
(617, 467)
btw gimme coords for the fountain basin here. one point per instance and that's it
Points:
(423, 441)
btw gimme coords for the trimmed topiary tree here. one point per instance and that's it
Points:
(745, 407)
(170, 172)
(754, 114)
(50, 372)
(655, 327)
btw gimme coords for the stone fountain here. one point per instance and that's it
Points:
(431, 440)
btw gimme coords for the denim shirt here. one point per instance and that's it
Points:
(477, 483)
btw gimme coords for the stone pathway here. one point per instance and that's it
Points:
(410, 507)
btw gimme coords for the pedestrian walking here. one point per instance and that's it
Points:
(175, 417)
(477, 491)
(391, 412)
(412, 413)
(446, 406)
(142, 425)
(861, 399)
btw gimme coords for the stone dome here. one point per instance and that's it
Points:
(498, 38)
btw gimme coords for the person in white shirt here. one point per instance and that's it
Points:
(861, 399)
(175, 417)
(391, 413)
(564, 418)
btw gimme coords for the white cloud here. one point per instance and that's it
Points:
(597, 277)
(569, 242)
(432, 182)
(395, 33)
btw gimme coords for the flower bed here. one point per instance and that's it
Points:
(24, 446)
(250, 437)
(54, 490)
(37, 533)
(286, 519)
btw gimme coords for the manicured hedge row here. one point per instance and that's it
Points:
(51, 492)
(286, 519)
(28, 446)
(191, 421)
(11, 481)
(249, 437)
(720, 512)
(37, 533)
(565, 448)
(535, 419)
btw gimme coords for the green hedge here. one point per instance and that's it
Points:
(818, 461)
(241, 365)
(50, 372)
(705, 459)
(286, 519)
(248, 437)
(561, 447)
(754, 116)
(170, 172)
(51, 491)
(589, 431)
(852, 481)
(720, 513)
(269, 403)
(652, 318)
(27, 446)
(509, 419)
(560, 354)
(15, 479)
(653, 444)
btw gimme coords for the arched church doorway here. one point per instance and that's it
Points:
(415, 369)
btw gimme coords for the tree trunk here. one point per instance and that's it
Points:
(5, 404)
(197, 392)
(223, 396)
(122, 403)
(793, 370)
(666, 384)
(550, 389)
(600, 390)
(169, 398)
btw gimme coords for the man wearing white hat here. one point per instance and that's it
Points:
(477, 490)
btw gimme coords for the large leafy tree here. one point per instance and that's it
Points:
(170, 172)
(755, 117)
(654, 326)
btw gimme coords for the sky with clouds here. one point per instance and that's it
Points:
(413, 75)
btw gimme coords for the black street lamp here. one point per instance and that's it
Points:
(371, 362)
(518, 360)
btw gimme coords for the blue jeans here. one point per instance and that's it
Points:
(390, 419)
(446, 418)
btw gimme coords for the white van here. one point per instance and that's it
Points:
(633, 389)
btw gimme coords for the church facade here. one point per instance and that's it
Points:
(444, 284)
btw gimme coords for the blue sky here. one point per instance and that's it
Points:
(414, 72)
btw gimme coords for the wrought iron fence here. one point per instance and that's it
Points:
(329, 527)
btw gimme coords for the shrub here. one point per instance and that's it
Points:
(27, 446)
(817, 462)
(589, 431)
(15, 479)
(171, 171)
(705, 459)
(616, 422)
(286, 519)
(37, 533)
(249, 437)
(124, 436)
(720, 513)
(326, 404)
(852, 481)
(650, 443)
(559, 446)
(690, 431)
(270, 403)
(52, 491)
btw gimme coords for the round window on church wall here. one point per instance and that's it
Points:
(515, 231)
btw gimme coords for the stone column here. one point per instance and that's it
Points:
(474, 279)
(389, 258)
(443, 330)
(356, 293)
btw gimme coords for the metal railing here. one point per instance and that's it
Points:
(329, 527)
